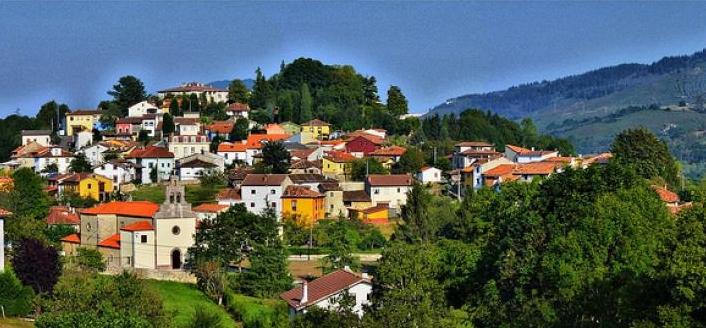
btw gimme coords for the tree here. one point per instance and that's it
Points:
(128, 91)
(262, 92)
(371, 91)
(275, 158)
(215, 141)
(650, 156)
(167, 125)
(36, 265)
(396, 101)
(238, 92)
(50, 115)
(305, 104)
(410, 162)
(212, 279)
(83, 299)
(80, 164)
(90, 260)
(204, 318)
(418, 224)
(154, 174)
(110, 112)
(143, 137)
(15, 298)
(51, 168)
(269, 272)
(174, 109)
(28, 198)
(240, 130)
(360, 168)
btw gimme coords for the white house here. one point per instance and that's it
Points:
(209, 210)
(186, 145)
(478, 169)
(262, 191)
(238, 110)
(142, 108)
(94, 153)
(193, 170)
(388, 189)
(120, 171)
(229, 197)
(327, 291)
(150, 158)
(232, 152)
(429, 174)
(187, 126)
(53, 155)
(210, 93)
(468, 152)
(42, 137)
(149, 123)
(82, 139)
(524, 155)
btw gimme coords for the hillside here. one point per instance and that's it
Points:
(595, 93)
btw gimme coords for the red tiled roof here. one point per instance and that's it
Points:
(473, 152)
(301, 153)
(374, 209)
(220, 127)
(355, 196)
(560, 159)
(264, 179)
(73, 238)
(339, 156)
(232, 147)
(474, 144)
(517, 149)
(229, 193)
(138, 226)
(255, 141)
(500, 170)
(111, 242)
(210, 208)
(666, 195)
(186, 120)
(389, 180)
(315, 122)
(150, 152)
(300, 192)
(142, 209)
(62, 215)
(323, 287)
(389, 151)
(367, 136)
(192, 87)
(238, 107)
(536, 168)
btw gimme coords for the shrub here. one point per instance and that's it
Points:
(205, 319)
(257, 313)
(14, 297)
(90, 259)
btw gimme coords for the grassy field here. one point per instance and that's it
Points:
(15, 323)
(195, 194)
(183, 299)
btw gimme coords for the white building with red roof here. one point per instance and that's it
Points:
(152, 158)
(523, 155)
(326, 292)
(390, 189)
(199, 89)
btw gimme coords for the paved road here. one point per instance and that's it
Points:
(364, 257)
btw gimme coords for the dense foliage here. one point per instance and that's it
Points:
(648, 155)
(15, 298)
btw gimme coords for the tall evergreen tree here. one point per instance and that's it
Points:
(262, 91)
(174, 107)
(238, 92)
(305, 104)
(396, 101)
(269, 272)
(167, 125)
(650, 156)
(128, 91)
(239, 131)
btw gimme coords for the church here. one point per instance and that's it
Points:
(138, 234)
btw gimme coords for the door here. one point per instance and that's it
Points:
(176, 259)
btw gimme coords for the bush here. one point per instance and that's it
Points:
(257, 313)
(205, 319)
(90, 259)
(14, 297)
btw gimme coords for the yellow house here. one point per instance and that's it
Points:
(86, 185)
(372, 215)
(337, 164)
(315, 130)
(81, 120)
(304, 204)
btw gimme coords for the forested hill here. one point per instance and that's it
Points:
(596, 93)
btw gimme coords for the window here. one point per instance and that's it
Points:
(89, 186)
(252, 192)
(143, 239)
(294, 205)
(272, 191)
(399, 190)
(252, 204)
(273, 205)
(176, 230)
(377, 191)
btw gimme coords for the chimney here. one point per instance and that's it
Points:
(365, 275)
(347, 268)
(305, 293)
(532, 148)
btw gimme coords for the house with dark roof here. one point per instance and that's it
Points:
(262, 191)
(42, 137)
(303, 203)
(152, 158)
(326, 292)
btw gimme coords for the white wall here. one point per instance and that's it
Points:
(42, 140)
(359, 291)
(167, 241)
(396, 196)
(258, 198)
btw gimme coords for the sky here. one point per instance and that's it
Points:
(74, 52)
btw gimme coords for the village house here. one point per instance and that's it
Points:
(128, 125)
(472, 176)
(119, 171)
(303, 204)
(211, 94)
(3, 214)
(209, 210)
(291, 128)
(42, 137)
(337, 164)
(187, 145)
(393, 152)
(372, 215)
(256, 142)
(219, 129)
(194, 169)
(428, 174)
(523, 155)
(361, 144)
(229, 197)
(152, 158)
(315, 130)
(327, 291)
(274, 128)
(468, 152)
(671, 200)
(142, 108)
(333, 199)
(304, 166)
(94, 153)
(85, 185)
(187, 126)
(234, 152)
(81, 120)
(262, 191)
(149, 123)
(52, 155)
(63, 216)
(388, 189)
(238, 110)
(356, 200)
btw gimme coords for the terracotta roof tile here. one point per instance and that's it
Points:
(256, 141)
(229, 193)
(264, 179)
(227, 147)
(138, 226)
(150, 152)
(220, 127)
(210, 208)
(111, 242)
(143, 209)
(192, 87)
(355, 196)
(536, 168)
(666, 195)
(62, 215)
(323, 287)
(474, 144)
(315, 122)
(238, 107)
(500, 170)
(73, 238)
(389, 180)
(389, 151)
(300, 192)
(339, 156)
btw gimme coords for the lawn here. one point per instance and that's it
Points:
(15, 323)
(195, 194)
(182, 299)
